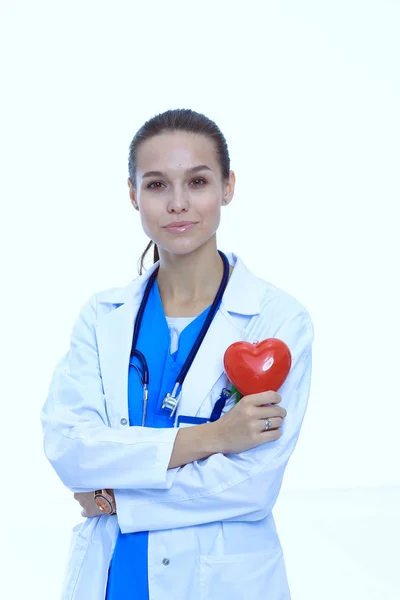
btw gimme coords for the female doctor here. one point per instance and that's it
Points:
(177, 480)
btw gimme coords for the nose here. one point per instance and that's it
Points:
(178, 201)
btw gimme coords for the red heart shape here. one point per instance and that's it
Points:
(257, 367)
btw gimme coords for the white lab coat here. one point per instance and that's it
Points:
(211, 530)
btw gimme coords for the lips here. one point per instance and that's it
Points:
(179, 224)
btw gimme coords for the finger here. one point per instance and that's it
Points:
(269, 397)
(266, 412)
(271, 435)
(275, 423)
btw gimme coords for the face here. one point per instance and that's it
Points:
(179, 179)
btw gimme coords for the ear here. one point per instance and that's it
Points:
(132, 194)
(229, 189)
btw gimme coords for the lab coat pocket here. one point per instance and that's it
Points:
(236, 576)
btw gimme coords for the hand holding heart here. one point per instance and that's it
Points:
(257, 370)
(243, 427)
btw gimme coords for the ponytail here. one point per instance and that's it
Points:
(156, 256)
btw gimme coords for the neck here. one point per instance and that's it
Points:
(191, 279)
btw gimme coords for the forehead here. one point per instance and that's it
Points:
(176, 150)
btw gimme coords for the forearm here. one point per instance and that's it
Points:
(195, 443)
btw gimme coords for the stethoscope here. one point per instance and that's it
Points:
(170, 402)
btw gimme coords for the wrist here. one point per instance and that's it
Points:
(112, 495)
(212, 439)
(111, 492)
(105, 501)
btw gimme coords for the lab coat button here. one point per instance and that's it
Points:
(123, 421)
(165, 561)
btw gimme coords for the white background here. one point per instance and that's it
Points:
(307, 94)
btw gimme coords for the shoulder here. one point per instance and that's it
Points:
(282, 305)
(286, 313)
(106, 300)
(279, 310)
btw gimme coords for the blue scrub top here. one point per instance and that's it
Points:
(128, 571)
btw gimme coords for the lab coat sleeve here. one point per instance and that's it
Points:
(231, 487)
(86, 453)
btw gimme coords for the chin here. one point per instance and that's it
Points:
(181, 249)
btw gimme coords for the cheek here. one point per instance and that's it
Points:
(211, 209)
(149, 213)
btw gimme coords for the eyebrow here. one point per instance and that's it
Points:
(192, 170)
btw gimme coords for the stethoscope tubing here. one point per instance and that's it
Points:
(200, 337)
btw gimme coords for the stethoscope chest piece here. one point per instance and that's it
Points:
(170, 401)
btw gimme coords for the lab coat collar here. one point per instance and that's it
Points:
(236, 298)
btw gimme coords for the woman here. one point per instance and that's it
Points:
(190, 476)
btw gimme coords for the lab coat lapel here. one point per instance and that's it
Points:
(208, 365)
(114, 332)
(241, 297)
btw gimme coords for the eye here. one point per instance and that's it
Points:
(154, 183)
(197, 180)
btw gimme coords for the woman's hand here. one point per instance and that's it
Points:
(86, 500)
(239, 429)
(243, 427)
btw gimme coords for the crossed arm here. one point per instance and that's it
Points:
(191, 444)
(166, 489)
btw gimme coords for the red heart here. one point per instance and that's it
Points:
(257, 367)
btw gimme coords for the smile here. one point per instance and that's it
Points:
(180, 228)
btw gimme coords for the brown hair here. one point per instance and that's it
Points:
(180, 119)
